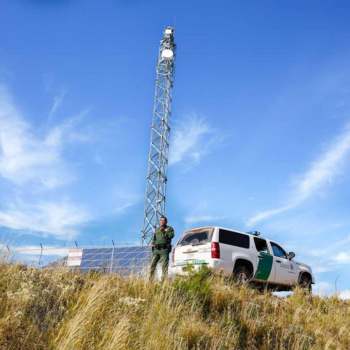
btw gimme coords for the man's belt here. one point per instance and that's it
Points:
(161, 246)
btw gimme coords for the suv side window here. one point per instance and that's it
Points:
(278, 251)
(234, 238)
(261, 245)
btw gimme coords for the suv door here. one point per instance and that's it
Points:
(286, 270)
(232, 244)
(264, 271)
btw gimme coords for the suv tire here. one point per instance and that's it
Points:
(305, 283)
(242, 275)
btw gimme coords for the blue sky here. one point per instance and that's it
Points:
(260, 134)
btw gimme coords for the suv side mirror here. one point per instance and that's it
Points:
(291, 255)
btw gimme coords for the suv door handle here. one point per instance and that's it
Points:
(260, 257)
(279, 261)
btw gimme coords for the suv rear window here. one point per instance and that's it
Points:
(234, 238)
(196, 237)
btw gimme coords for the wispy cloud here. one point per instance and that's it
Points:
(325, 258)
(56, 103)
(192, 139)
(321, 174)
(58, 219)
(267, 214)
(24, 157)
(122, 208)
(124, 200)
(32, 164)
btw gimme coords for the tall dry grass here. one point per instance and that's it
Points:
(58, 309)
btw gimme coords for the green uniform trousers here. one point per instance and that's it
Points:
(162, 256)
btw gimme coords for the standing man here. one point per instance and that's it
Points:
(161, 247)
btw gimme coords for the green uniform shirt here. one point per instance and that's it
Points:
(166, 236)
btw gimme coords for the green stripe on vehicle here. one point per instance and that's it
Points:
(264, 268)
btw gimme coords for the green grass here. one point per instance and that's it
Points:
(58, 309)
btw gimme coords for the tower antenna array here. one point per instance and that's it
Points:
(159, 148)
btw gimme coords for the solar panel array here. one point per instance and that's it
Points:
(121, 259)
(116, 259)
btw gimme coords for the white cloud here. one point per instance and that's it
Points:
(56, 103)
(323, 268)
(266, 214)
(127, 196)
(192, 139)
(343, 258)
(326, 259)
(58, 219)
(36, 250)
(320, 175)
(323, 171)
(32, 161)
(322, 289)
(204, 218)
(124, 200)
(122, 208)
(345, 294)
(32, 164)
(24, 157)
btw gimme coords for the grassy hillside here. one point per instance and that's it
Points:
(41, 309)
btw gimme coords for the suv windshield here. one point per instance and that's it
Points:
(196, 237)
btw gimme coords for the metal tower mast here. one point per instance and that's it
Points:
(159, 149)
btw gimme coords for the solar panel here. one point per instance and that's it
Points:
(118, 259)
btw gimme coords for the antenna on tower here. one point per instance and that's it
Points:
(159, 148)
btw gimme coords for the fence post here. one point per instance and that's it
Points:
(41, 254)
(112, 256)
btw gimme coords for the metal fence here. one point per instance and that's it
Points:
(107, 258)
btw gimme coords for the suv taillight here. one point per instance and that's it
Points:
(215, 250)
(173, 255)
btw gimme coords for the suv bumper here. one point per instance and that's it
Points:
(180, 270)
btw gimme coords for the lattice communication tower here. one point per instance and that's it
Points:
(159, 149)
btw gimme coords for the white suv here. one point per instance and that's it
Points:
(243, 255)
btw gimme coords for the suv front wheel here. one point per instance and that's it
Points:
(305, 283)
